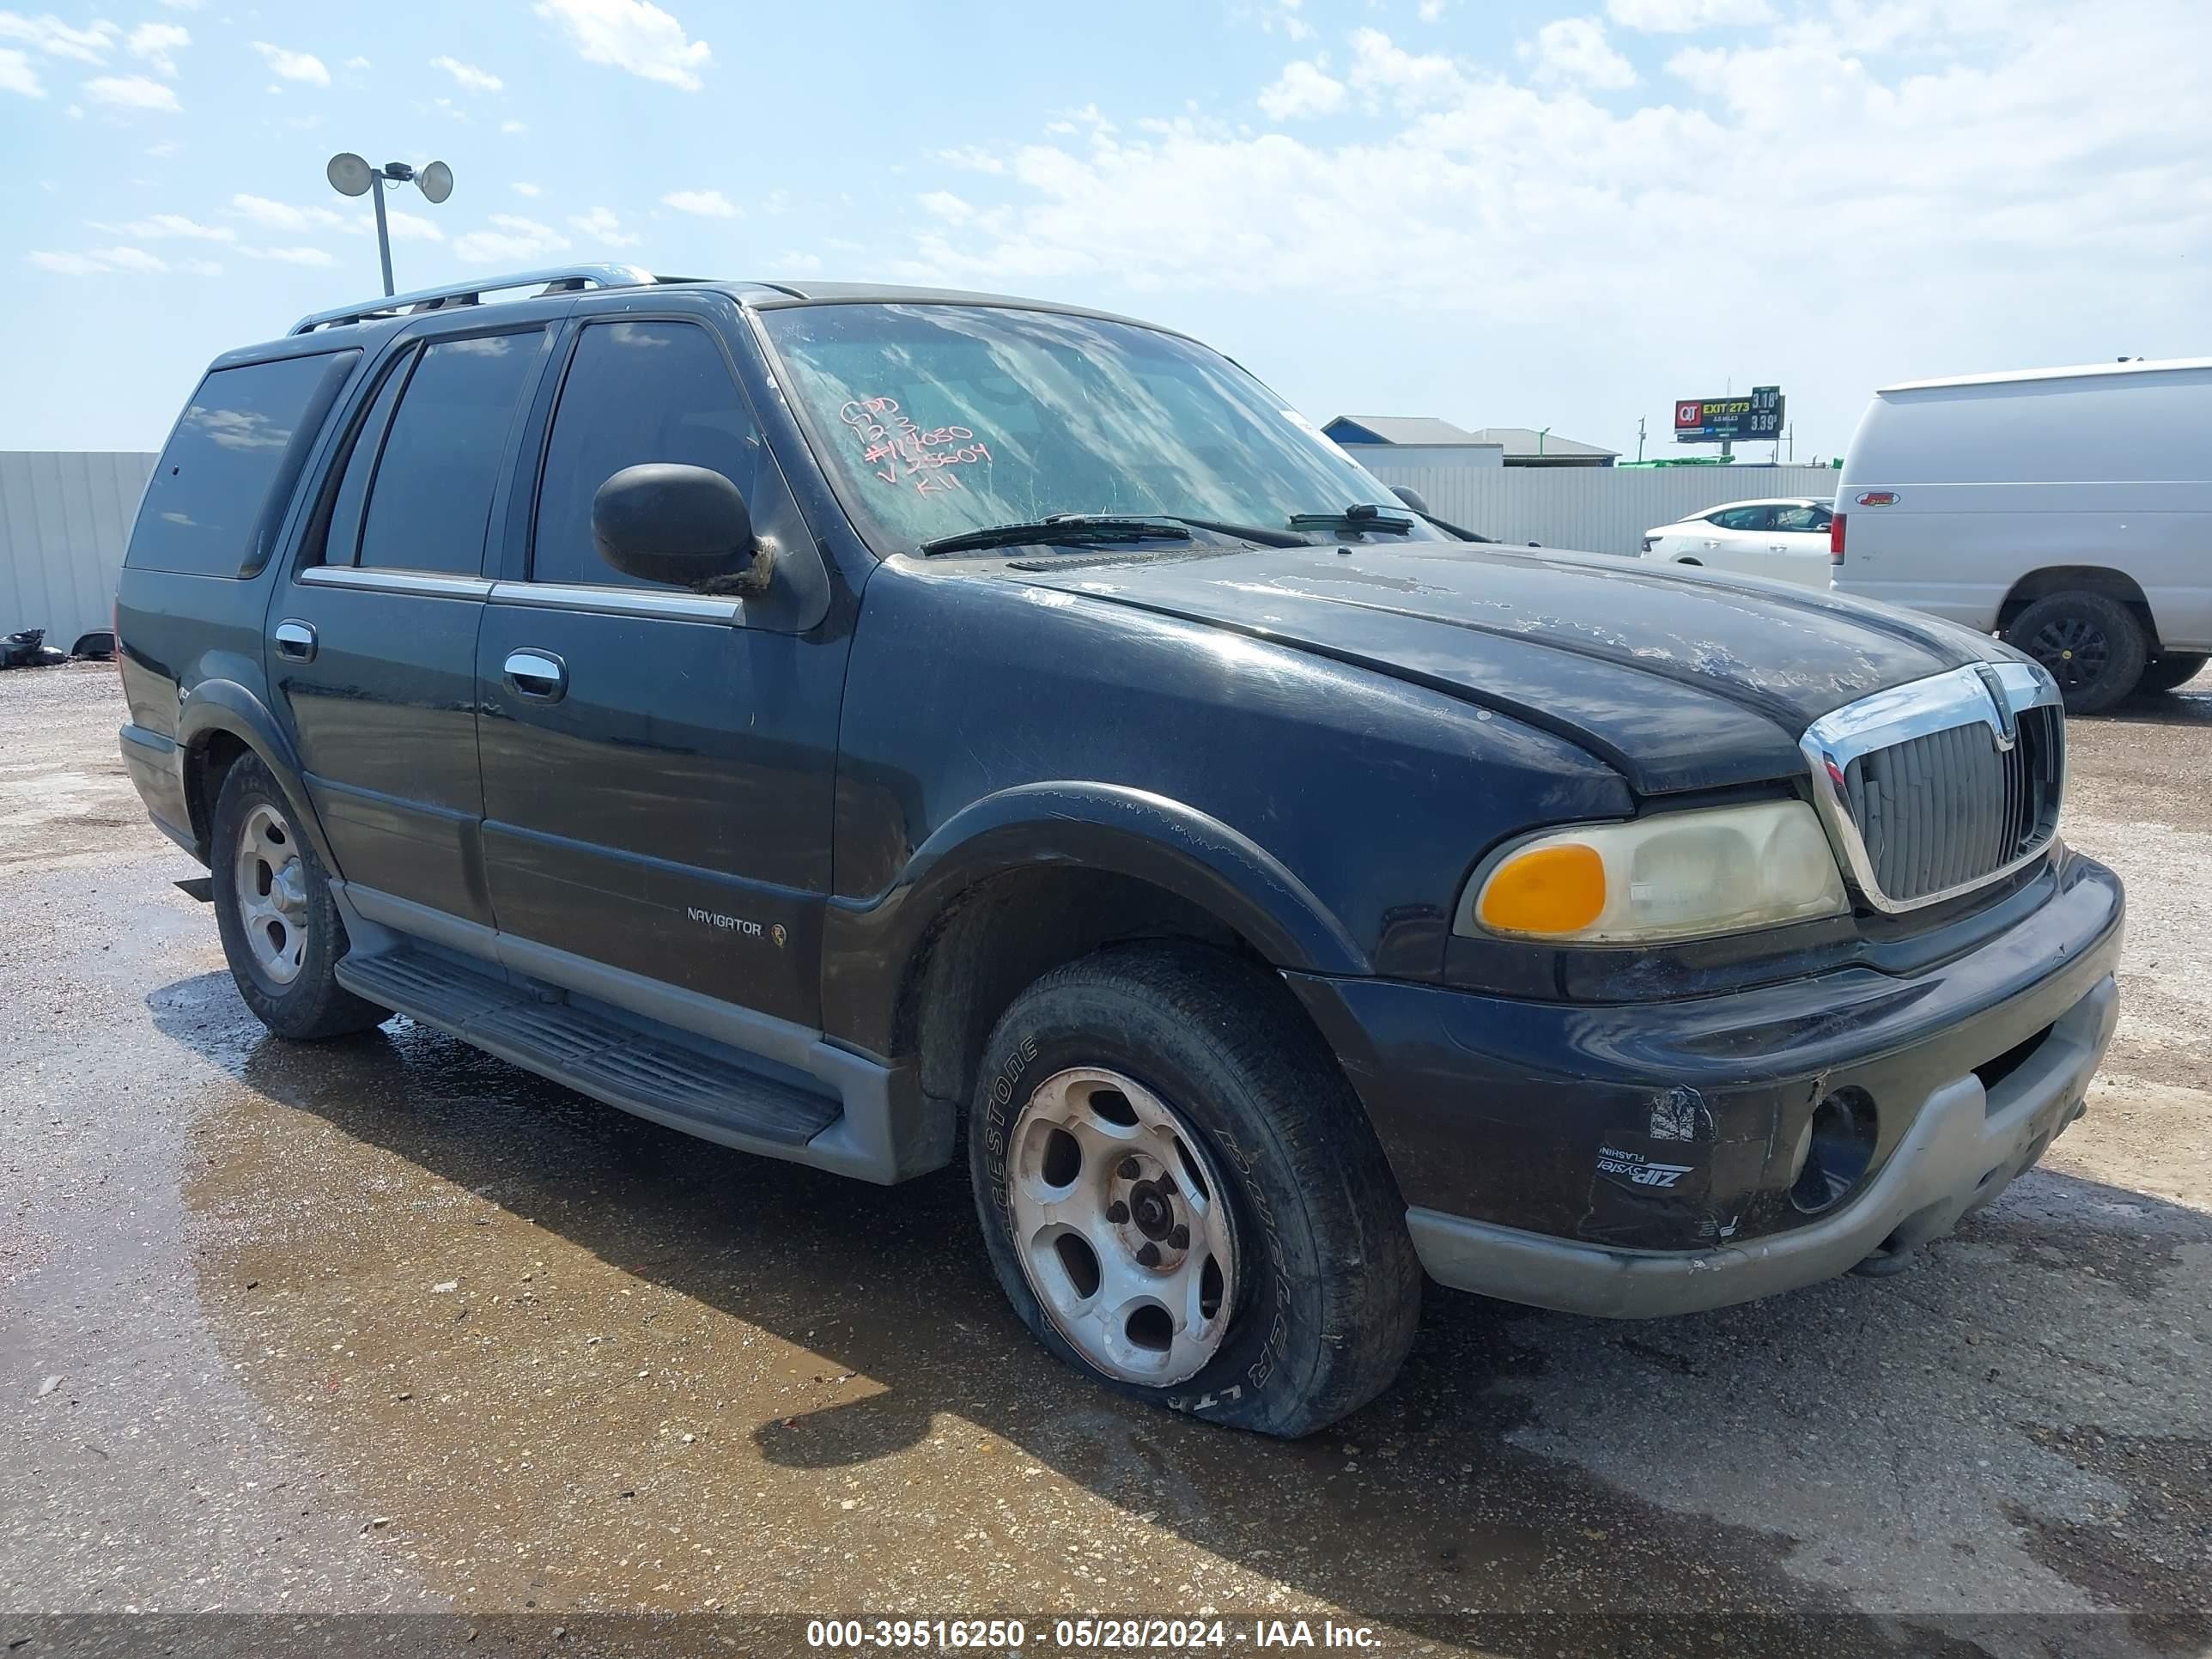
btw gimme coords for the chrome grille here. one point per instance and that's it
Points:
(1935, 788)
(1952, 809)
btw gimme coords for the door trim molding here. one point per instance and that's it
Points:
(645, 602)
(435, 585)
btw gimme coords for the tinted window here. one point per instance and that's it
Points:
(1805, 518)
(433, 489)
(1744, 518)
(635, 393)
(342, 537)
(230, 465)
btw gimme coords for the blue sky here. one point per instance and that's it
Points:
(1522, 213)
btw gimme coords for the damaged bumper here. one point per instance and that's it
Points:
(1643, 1160)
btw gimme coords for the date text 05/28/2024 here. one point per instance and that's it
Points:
(1124, 1635)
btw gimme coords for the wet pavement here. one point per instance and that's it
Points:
(386, 1326)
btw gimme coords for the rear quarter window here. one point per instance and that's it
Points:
(219, 491)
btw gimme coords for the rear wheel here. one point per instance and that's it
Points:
(1180, 1194)
(2092, 645)
(2169, 671)
(279, 927)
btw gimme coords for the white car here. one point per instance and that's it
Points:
(1786, 539)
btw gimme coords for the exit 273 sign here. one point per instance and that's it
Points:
(1723, 420)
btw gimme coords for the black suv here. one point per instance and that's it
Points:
(828, 719)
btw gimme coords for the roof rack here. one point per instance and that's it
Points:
(559, 279)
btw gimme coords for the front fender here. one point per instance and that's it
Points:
(868, 943)
(225, 706)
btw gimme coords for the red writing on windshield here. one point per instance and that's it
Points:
(902, 452)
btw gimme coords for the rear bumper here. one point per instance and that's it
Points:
(1635, 1160)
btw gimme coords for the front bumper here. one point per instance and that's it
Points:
(1631, 1160)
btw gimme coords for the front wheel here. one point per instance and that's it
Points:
(1180, 1194)
(2092, 645)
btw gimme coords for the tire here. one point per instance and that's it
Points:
(2169, 672)
(2092, 646)
(281, 929)
(1315, 1309)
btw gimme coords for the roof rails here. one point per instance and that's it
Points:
(559, 279)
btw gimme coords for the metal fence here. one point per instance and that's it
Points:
(66, 518)
(1597, 509)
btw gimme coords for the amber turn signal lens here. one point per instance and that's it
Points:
(1557, 889)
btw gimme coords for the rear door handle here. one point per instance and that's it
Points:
(296, 640)
(537, 675)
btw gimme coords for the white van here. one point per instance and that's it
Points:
(2067, 509)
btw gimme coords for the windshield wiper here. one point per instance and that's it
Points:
(1365, 516)
(1062, 530)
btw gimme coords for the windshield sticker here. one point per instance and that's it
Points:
(902, 452)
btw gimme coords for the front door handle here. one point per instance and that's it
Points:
(537, 675)
(296, 641)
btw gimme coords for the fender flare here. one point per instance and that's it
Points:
(871, 945)
(225, 706)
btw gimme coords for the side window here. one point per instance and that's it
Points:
(1804, 517)
(341, 534)
(635, 392)
(229, 467)
(431, 493)
(1744, 518)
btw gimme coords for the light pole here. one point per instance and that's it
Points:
(351, 176)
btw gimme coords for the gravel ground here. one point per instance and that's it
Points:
(388, 1327)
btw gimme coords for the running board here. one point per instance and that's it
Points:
(689, 1083)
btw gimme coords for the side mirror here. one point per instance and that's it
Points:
(684, 525)
(1411, 497)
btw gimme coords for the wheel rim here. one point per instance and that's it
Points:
(272, 894)
(1122, 1225)
(2074, 650)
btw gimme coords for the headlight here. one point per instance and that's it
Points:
(1674, 875)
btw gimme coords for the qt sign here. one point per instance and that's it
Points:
(1727, 420)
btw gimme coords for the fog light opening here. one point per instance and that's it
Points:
(1833, 1152)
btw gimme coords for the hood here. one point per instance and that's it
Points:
(1681, 681)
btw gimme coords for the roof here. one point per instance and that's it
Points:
(1760, 501)
(2077, 371)
(577, 279)
(1404, 429)
(1527, 440)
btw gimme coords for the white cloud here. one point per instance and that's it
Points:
(512, 126)
(944, 204)
(183, 5)
(633, 35)
(292, 256)
(510, 239)
(200, 267)
(468, 75)
(1684, 17)
(524, 189)
(293, 66)
(796, 265)
(163, 150)
(50, 35)
(355, 63)
(1573, 52)
(707, 203)
(1962, 192)
(601, 226)
(1431, 10)
(16, 73)
(157, 226)
(407, 227)
(129, 258)
(65, 265)
(154, 42)
(132, 91)
(1301, 89)
(282, 215)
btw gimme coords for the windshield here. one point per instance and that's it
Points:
(937, 419)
